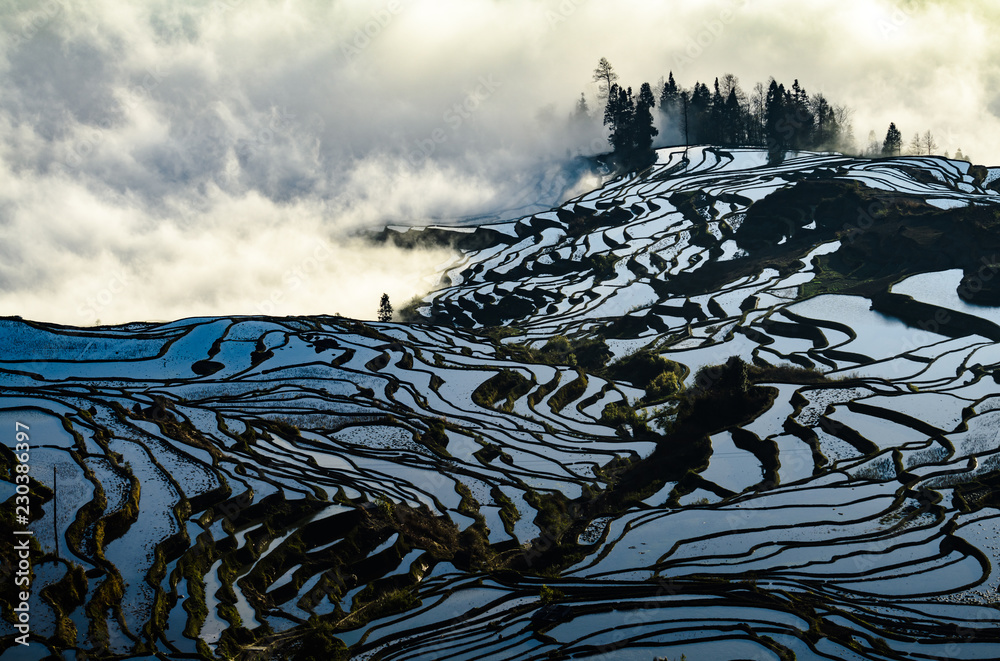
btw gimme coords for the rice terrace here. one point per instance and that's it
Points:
(415, 330)
(688, 412)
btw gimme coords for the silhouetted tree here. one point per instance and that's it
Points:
(643, 130)
(699, 109)
(733, 121)
(893, 142)
(686, 120)
(631, 124)
(774, 117)
(646, 96)
(715, 132)
(605, 77)
(776, 131)
(799, 117)
(619, 115)
(385, 309)
(670, 97)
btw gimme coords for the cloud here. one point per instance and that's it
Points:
(200, 150)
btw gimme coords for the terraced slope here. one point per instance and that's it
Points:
(766, 429)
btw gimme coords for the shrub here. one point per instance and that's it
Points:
(620, 413)
(548, 595)
(664, 385)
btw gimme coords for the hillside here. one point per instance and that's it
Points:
(717, 408)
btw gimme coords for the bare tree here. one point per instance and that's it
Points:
(916, 144)
(928, 142)
(605, 77)
(843, 116)
(728, 83)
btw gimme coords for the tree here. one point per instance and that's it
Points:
(699, 111)
(930, 146)
(646, 96)
(776, 132)
(619, 114)
(873, 147)
(582, 110)
(671, 107)
(631, 126)
(605, 77)
(800, 117)
(916, 145)
(686, 122)
(669, 96)
(733, 132)
(643, 130)
(385, 309)
(893, 142)
(845, 128)
(755, 123)
(827, 132)
(716, 117)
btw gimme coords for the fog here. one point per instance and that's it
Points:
(165, 159)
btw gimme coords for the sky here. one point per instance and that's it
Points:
(175, 158)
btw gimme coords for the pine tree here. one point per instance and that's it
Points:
(582, 110)
(385, 309)
(646, 96)
(800, 117)
(686, 121)
(733, 133)
(699, 110)
(619, 116)
(776, 133)
(827, 132)
(643, 130)
(893, 143)
(670, 105)
(669, 96)
(717, 117)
